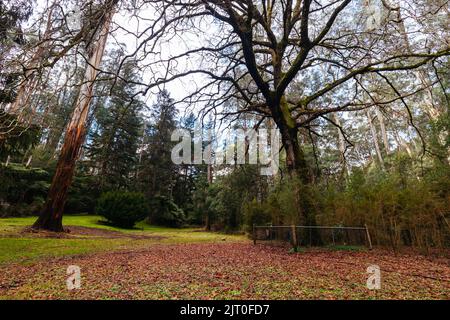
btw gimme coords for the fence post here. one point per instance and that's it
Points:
(271, 233)
(254, 234)
(368, 237)
(310, 236)
(294, 238)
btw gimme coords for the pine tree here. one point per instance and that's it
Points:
(158, 173)
(113, 146)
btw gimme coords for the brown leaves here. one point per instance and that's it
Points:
(229, 271)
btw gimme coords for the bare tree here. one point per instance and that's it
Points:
(258, 50)
(261, 53)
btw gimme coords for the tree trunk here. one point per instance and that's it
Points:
(402, 144)
(299, 173)
(294, 241)
(375, 139)
(295, 158)
(30, 81)
(341, 141)
(430, 108)
(296, 164)
(380, 118)
(51, 216)
(210, 180)
(28, 85)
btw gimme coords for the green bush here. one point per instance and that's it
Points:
(255, 213)
(166, 213)
(122, 209)
(83, 195)
(22, 190)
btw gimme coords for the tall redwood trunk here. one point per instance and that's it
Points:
(51, 216)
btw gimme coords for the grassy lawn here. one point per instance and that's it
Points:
(27, 247)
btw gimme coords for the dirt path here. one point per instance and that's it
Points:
(227, 271)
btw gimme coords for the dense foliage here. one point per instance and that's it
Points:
(163, 211)
(362, 111)
(122, 209)
(22, 189)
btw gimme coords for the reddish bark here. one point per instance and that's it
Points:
(51, 216)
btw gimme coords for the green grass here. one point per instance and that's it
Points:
(25, 250)
(15, 247)
(91, 221)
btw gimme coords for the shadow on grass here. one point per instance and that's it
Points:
(110, 224)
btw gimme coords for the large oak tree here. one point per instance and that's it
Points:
(261, 52)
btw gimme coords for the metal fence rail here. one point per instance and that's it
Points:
(313, 235)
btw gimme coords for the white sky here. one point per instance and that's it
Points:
(179, 88)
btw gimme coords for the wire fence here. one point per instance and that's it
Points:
(313, 236)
